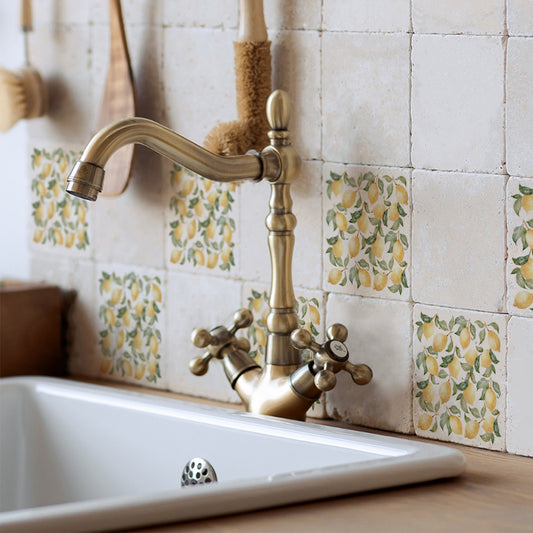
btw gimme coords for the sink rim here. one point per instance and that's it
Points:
(417, 462)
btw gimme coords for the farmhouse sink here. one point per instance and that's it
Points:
(81, 457)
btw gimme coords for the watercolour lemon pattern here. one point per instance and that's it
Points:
(521, 257)
(130, 337)
(458, 380)
(202, 225)
(368, 241)
(59, 220)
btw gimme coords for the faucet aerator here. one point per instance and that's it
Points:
(85, 180)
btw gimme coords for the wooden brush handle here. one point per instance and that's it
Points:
(251, 21)
(25, 15)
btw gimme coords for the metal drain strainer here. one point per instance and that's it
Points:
(197, 472)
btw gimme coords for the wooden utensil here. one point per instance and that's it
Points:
(118, 101)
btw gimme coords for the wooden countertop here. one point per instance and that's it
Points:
(495, 494)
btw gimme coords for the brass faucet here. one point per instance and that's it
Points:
(285, 386)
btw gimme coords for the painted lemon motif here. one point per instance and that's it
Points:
(227, 234)
(432, 365)
(224, 199)
(210, 230)
(373, 193)
(439, 342)
(354, 246)
(378, 246)
(465, 338)
(456, 425)
(191, 229)
(363, 222)
(334, 276)
(529, 237)
(105, 365)
(260, 337)
(364, 277)
(199, 257)
(394, 214)
(116, 295)
(109, 316)
(181, 207)
(225, 256)
(69, 239)
(338, 248)
(127, 368)
(494, 341)
(401, 194)
(188, 186)
(398, 251)
(527, 202)
(470, 356)
(82, 213)
(445, 391)
(378, 211)
(120, 339)
(469, 394)
(156, 292)
(154, 345)
(150, 310)
(429, 392)
(488, 423)
(139, 371)
(523, 299)
(106, 285)
(471, 429)
(134, 290)
(336, 187)
(454, 367)
(380, 281)
(527, 269)
(126, 318)
(428, 328)
(178, 231)
(175, 256)
(138, 340)
(490, 399)
(341, 222)
(152, 367)
(348, 198)
(139, 308)
(485, 359)
(314, 315)
(212, 260)
(424, 421)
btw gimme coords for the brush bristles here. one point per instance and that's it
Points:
(13, 102)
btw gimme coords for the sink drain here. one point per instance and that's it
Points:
(198, 471)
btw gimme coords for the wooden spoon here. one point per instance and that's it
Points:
(118, 101)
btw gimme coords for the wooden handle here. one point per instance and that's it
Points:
(251, 21)
(25, 15)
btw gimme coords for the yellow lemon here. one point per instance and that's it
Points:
(139, 308)
(380, 281)
(210, 230)
(116, 295)
(175, 256)
(181, 206)
(67, 210)
(336, 187)
(428, 328)
(348, 198)
(469, 394)
(126, 367)
(378, 211)
(187, 187)
(47, 168)
(378, 246)
(471, 429)
(177, 176)
(494, 340)
(522, 300)
(424, 421)
(490, 400)
(82, 213)
(257, 304)
(56, 190)
(354, 246)
(150, 311)
(63, 164)
(527, 269)
(445, 391)
(373, 193)
(126, 318)
(231, 186)
(527, 202)
(334, 276)
(529, 237)
(225, 256)
(80, 235)
(41, 189)
(199, 257)
(178, 231)
(401, 194)
(470, 356)
(154, 345)
(50, 210)
(398, 251)
(191, 229)
(199, 209)
(37, 235)
(338, 248)
(260, 336)
(106, 285)
(454, 367)
(156, 292)
(110, 316)
(139, 371)
(120, 339)
(38, 160)
(138, 340)
(488, 423)
(439, 342)
(394, 213)
(428, 392)
(362, 222)
(58, 236)
(105, 365)
(134, 290)
(212, 260)
(314, 315)
(456, 425)
(39, 213)
(464, 337)
(106, 342)
(152, 367)
(224, 199)
(340, 220)
(396, 275)
(485, 359)
(212, 197)
(364, 277)
(227, 234)
(432, 365)
(69, 240)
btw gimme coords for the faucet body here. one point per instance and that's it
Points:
(285, 386)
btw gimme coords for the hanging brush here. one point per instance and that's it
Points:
(253, 72)
(22, 92)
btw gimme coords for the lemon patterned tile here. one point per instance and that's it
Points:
(59, 221)
(201, 223)
(460, 376)
(520, 246)
(367, 231)
(310, 310)
(131, 319)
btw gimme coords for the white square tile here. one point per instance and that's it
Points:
(457, 103)
(379, 334)
(459, 382)
(293, 15)
(198, 301)
(365, 98)
(132, 337)
(520, 246)
(519, 116)
(367, 231)
(198, 80)
(61, 12)
(459, 240)
(296, 69)
(255, 255)
(361, 15)
(519, 395)
(134, 12)
(520, 17)
(459, 16)
(212, 14)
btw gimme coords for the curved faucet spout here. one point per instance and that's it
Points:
(86, 178)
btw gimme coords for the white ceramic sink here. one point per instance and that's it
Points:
(80, 457)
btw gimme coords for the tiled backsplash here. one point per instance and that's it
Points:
(415, 203)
